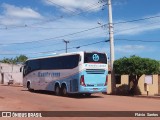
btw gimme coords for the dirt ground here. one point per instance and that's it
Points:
(20, 99)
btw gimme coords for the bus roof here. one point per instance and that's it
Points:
(63, 54)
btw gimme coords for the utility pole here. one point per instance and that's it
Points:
(65, 41)
(111, 37)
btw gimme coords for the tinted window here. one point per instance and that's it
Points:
(34, 65)
(25, 68)
(118, 79)
(95, 58)
(64, 62)
(30, 66)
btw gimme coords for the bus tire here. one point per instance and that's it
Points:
(29, 87)
(87, 94)
(64, 90)
(57, 90)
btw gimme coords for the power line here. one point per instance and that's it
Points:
(54, 27)
(85, 45)
(59, 6)
(51, 44)
(62, 17)
(52, 20)
(135, 20)
(71, 34)
(96, 28)
(76, 33)
(77, 47)
(131, 40)
(57, 50)
(138, 26)
(74, 13)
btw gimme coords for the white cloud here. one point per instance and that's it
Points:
(72, 5)
(134, 28)
(13, 15)
(54, 29)
(130, 48)
(13, 11)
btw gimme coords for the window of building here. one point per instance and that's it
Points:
(118, 79)
(148, 79)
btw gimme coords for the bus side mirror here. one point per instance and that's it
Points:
(21, 69)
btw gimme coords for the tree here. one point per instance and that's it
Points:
(19, 59)
(135, 67)
(8, 60)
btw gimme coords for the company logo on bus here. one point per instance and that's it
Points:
(95, 57)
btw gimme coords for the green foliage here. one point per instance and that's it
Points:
(135, 91)
(8, 60)
(136, 66)
(19, 59)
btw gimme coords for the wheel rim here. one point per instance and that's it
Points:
(57, 90)
(28, 86)
(64, 91)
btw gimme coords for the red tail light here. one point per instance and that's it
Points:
(82, 81)
(106, 81)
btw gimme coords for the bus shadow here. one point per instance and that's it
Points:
(74, 96)
(78, 96)
(42, 92)
(24, 90)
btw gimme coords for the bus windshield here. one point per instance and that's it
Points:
(95, 58)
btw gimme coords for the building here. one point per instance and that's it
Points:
(10, 73)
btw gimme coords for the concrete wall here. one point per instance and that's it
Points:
(10, 72)
(153, 88)
(124, 80)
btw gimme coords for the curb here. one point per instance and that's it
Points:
(154, 97)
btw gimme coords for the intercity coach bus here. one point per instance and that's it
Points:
(78, 72)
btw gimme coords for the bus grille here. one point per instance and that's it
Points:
(95, 71)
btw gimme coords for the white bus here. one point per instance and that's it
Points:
(79, 72)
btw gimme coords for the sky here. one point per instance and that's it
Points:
(39, 27)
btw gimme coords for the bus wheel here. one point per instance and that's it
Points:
(88, 94)
(29, 87)
(57, 90)
(64, 90)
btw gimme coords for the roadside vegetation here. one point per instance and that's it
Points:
(135, 67)
(17, 60)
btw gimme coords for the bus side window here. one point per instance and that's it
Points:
(24, 71)
(29, 69)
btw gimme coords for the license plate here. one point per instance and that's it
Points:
(95, 88)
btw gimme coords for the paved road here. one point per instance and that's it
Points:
(20, 99)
